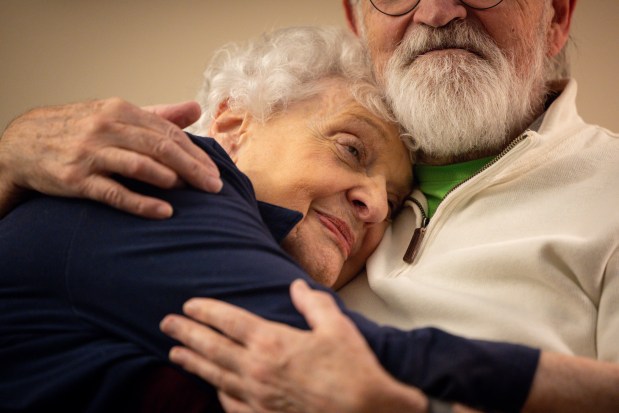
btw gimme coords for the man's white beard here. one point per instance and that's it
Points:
(454, 104)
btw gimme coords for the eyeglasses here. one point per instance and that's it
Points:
(397, 8)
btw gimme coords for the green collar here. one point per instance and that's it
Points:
(436, 181)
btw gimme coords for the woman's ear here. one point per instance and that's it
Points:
(559, 30)
(228, 127)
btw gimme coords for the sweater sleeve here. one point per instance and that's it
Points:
(181, 258)
(486, 375)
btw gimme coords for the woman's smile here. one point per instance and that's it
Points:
(344, 236)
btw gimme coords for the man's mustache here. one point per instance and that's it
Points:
(457, 35)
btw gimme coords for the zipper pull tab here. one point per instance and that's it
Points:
(413, 246)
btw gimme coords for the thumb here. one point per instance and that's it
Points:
(181, 114)
(318, 307)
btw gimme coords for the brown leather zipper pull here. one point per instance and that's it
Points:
(413, 246)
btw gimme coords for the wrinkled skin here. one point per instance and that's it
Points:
(263, 367)
(72, 150)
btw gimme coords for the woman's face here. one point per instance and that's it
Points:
(342, 167)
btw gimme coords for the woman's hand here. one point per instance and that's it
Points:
(262, 366)
(72, 150)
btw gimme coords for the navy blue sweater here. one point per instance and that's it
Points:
(83, 288)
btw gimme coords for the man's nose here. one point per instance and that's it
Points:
(370, 201)
(439, 13)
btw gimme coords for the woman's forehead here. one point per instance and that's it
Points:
(341, 105)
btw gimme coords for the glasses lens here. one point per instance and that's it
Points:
(394, 7)
(481, 4)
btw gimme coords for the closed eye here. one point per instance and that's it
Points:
(354, 151)
(352, 148)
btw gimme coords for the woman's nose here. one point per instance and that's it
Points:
(370, 200)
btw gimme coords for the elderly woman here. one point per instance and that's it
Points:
(309, 161)
(305, 124)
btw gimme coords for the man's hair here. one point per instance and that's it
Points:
(266, 74)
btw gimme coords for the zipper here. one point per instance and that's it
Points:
(419, 233)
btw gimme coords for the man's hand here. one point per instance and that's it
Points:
(262, 366)
(72, 150)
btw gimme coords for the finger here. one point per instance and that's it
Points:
(233, 321)
(112, 193)
(157, 117)
(458, 408)
(181, 114)
(193, 172)
(134, 165)
(195, 363)
(138, 130)
(169, 130)
(232, 405)
(212, 346)
(318, 307)
(194, 150)
(174, 149)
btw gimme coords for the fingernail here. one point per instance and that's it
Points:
(190, 307)
(300, 284)
(167, 325)
(176, 354)
(213, 184)
(164, 211)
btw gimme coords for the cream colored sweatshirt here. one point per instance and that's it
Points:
(527, 251)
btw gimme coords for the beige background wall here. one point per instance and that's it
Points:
(152, 51)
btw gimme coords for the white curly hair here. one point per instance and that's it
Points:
(265, 75)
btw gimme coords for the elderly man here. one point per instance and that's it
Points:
(512, 253)
(502, 244)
